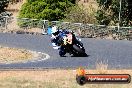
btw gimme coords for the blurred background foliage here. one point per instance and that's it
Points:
(69, 10)
(45, 9)
(108, 13)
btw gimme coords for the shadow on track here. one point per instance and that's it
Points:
(85, 55)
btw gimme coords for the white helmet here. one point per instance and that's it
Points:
(54, 29)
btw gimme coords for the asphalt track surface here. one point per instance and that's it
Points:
(116, 53)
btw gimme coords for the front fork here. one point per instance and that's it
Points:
(66, 49)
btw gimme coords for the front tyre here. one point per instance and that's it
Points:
(62, 52)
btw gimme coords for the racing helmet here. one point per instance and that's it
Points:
(54, 29)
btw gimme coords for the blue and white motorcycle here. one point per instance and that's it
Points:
(66, 42)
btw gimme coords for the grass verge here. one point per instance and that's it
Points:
(53, 78)
(11, 55)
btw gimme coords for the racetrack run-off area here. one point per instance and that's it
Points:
(115, 53)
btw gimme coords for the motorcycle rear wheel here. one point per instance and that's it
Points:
(78, 51)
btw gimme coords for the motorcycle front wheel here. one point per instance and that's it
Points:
(62, 51)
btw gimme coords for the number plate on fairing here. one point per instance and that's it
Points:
(69, 38)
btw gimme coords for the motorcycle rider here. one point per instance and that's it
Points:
(56, 40)
(54, 33)
(56, 36)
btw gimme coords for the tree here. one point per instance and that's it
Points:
(79, 14)
(3, 4)
(108, 14)
(45, 9)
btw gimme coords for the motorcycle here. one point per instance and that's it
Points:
(70, 44)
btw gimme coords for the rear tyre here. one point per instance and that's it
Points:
(78, 50)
